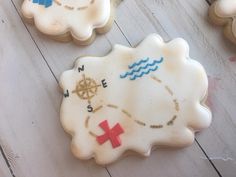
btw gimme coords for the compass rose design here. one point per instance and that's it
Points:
(86, 88)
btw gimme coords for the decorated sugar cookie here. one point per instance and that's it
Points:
(65, 20)
(134, 99)
(223, 12)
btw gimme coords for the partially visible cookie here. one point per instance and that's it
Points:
(66, 20)
(134, 99)
(223, 12)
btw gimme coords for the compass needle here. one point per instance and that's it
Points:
(86, 88)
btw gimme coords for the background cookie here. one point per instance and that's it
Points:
(133, 99)
(223, 12)
(65, 20)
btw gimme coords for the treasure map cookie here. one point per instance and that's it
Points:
(65, 20)
(223, 12)
(134, 99)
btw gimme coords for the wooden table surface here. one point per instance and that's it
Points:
(32, 141)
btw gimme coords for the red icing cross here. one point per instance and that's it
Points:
(110, 134)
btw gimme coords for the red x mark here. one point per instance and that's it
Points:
(110, 134)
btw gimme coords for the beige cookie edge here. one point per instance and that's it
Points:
(134, 152)
(225, 22)
(68, 36)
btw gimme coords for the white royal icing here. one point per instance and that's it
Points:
(227, 9)
(154, 92)
(80, 17)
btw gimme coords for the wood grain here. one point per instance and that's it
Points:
(165, 162)
(115, 36)
(30, 65)
(29, 111)
(207, 46)
(4, 171)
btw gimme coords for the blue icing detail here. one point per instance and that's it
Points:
(143, 73)
(41, 2)
(46, 3)
(141, 68)
(145, 70)
(138, 63)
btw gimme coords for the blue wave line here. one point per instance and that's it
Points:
(141, 68)
(143, 73)
(138, 63)
(46, 3)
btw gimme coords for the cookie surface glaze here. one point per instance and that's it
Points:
(65, 20)
(133, 99)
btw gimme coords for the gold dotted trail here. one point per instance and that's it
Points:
(69, 7)
(141, 123)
